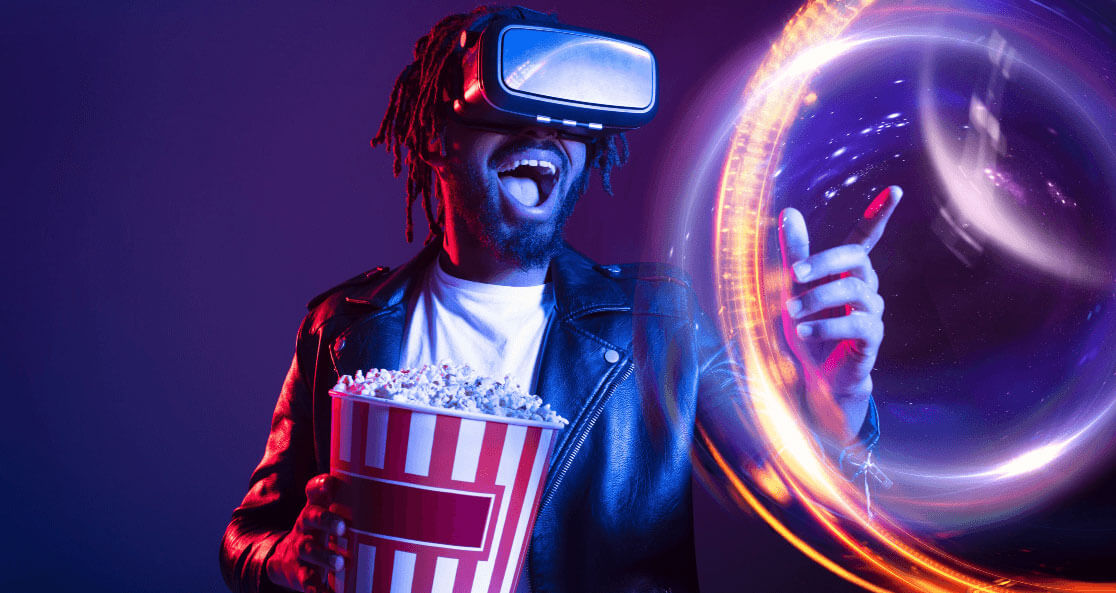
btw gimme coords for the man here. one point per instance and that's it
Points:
(497, 288)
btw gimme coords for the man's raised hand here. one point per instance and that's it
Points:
(832, 314)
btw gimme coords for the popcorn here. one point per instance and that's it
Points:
(450, 386)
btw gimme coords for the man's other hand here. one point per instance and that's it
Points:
(832, 314)
(303, 557)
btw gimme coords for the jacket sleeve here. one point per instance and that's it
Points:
(722, 389)
(276, 492)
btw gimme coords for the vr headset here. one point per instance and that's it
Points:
(584, 83)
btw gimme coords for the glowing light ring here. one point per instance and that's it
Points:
(888, 557)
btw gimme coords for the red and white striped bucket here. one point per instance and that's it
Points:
(442, 501)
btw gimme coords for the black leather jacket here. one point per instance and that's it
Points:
(625, 357)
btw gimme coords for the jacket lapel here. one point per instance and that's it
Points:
(577, 364)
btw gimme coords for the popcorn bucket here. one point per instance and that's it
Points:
(441, 501)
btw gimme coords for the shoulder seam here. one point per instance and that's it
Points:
(647, 271)
(355, 280)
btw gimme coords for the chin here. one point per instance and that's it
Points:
(532, 252)
(523, 241)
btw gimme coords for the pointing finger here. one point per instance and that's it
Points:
(794, 241)
(871, 228)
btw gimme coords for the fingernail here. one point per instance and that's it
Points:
(338, 563)
(340, 528)
(794, 307)
(804, 331)
(896, 192)
(801, 271)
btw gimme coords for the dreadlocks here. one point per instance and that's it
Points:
(417, 111)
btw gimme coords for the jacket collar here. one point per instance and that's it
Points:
(391, 291)
(580, 286)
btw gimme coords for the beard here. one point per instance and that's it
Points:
(528, 244)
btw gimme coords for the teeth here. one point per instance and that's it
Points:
(551, 169)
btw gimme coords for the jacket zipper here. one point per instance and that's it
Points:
(581, 436)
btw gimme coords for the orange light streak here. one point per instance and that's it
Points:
(886, 557)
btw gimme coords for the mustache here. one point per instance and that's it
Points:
(520, 144)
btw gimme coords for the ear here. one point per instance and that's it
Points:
(434, 151)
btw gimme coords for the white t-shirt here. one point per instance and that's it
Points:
(495, 329)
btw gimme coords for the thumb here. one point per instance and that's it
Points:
(794, 241)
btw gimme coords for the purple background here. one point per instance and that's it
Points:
(178, 180)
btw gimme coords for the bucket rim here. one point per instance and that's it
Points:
(417, 407)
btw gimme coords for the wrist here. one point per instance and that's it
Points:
(837, 411)
(855, 412)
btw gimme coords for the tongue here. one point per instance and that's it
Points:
(523, 189)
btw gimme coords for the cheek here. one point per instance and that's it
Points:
(469, 146)
(576, 152)
(467, 161)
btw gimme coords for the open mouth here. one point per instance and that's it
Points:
(529, 181)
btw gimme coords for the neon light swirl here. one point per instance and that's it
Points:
(878, 553)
